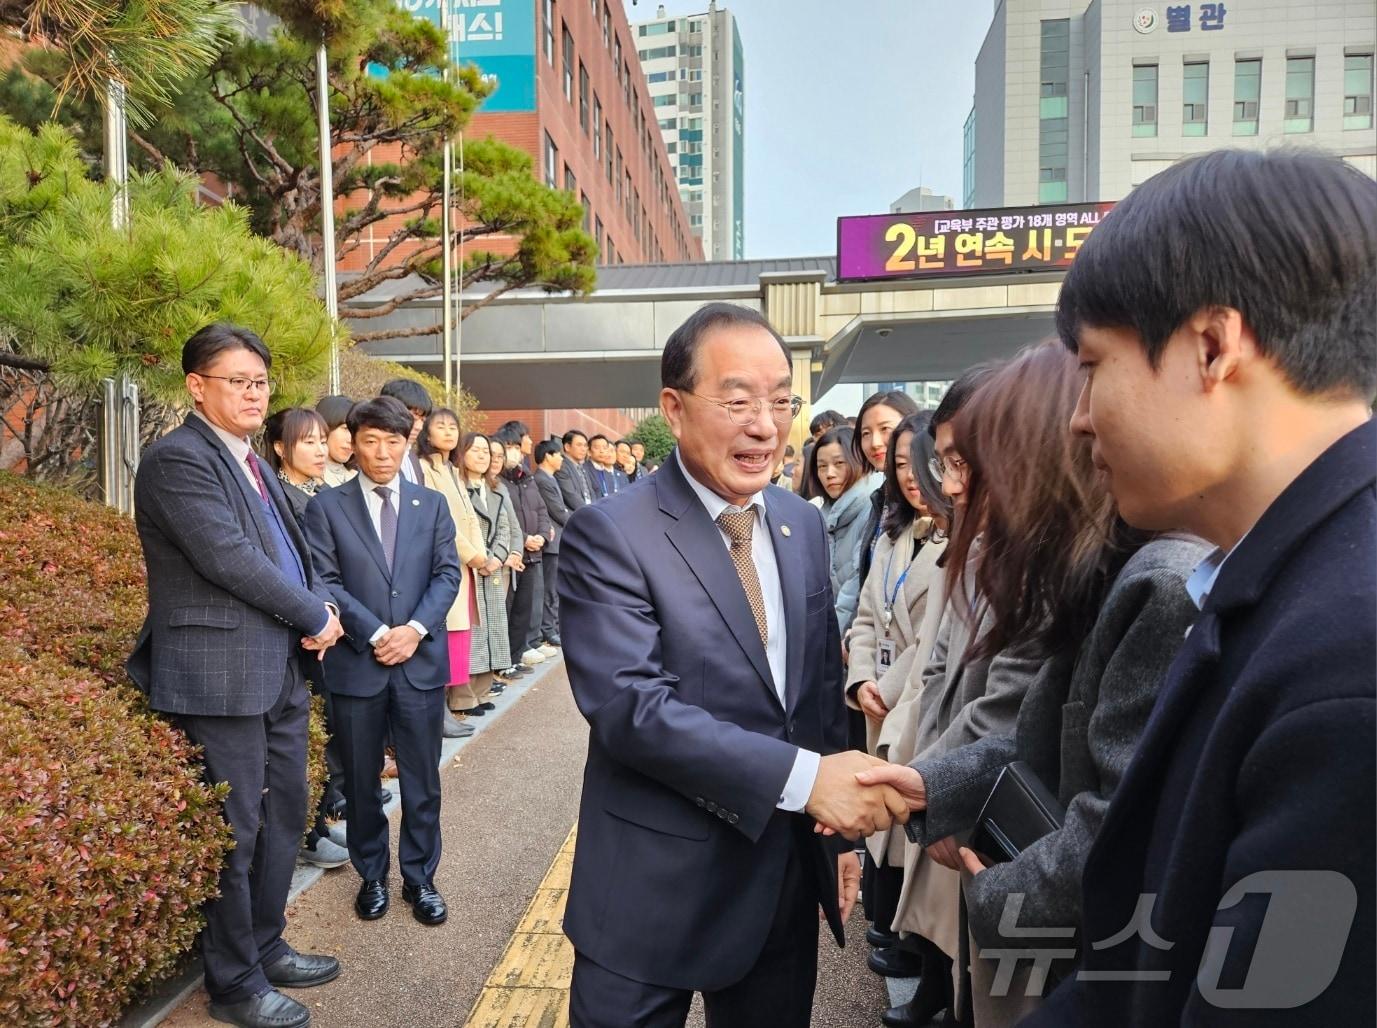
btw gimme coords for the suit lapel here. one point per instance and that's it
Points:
(789, 558)
(236, 474)
(356, 510)
(699, 542)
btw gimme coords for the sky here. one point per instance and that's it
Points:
(849, 104)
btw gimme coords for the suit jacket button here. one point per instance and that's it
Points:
(793, 727)
(712, 807)
(733, 818)
(722, 814)
(700, 801)
(395, 594)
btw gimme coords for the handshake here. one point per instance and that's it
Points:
(856, 794)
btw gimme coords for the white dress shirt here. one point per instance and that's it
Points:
(374, 504)
(805, 771)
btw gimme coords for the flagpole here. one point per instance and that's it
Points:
(327, 212)
(447, 230)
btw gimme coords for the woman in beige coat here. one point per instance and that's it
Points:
(438, 446)
(884, 645)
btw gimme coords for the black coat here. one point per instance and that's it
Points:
(531, 513)
(553, 496)
(1258, 761)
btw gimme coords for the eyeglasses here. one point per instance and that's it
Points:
(243, 385)
(955, 466)
(744, 411)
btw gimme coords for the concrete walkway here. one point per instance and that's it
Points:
(510, 802)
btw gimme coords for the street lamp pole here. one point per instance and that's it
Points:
(327, 213)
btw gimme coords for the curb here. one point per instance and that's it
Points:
(171, 993)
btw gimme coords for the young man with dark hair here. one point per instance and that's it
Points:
(518, 432)
(386, 552)
(414, 398)
(575, 476)
(605, 476)
(1226, 316)
(549, 458)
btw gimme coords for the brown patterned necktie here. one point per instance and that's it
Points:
(737, 524)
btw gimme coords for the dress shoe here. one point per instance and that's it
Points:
(427, 905)
(879, 938)
(525, 668)
(268, 1010)
(371, 902)
(453, 729)
(894, 962)
(497, 690)
(554, 641)
(487, 706)
(473, 712)
(533, 657)
(384, 795)
(302, 970)
(920, 1010)
(324, 852)
(339, 834)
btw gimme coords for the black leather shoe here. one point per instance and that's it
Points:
(372, 901)
(488, 706)
(920, 1010)
(879, 938)
(427, 905)
(270, 1010)
(894, 962)
(302, 970)
(472, 712)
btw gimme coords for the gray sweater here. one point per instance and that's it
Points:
(1078, 727)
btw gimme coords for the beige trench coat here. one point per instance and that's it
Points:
(443, 477)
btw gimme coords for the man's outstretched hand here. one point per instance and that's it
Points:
(842, 802)
(900, 778)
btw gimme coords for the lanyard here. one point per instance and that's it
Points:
(892, 596)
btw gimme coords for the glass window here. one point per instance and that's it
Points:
(1145, 100)
(587, 210)
(657, 29)
(550, 31)
(1195, 93)
(597, 120)
(607, 26)
(568, 65)
(607, 149)
(666, 100)
(583, 98)
(619, 177)
(1247, 93)
(570, 183)
(597, 231)
(1300, 95)
(1053, 110)
(551, 163)
(1358, 91)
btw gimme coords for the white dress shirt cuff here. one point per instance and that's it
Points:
(382, 631)
(420, 628)
(373, 639)
(800, 784)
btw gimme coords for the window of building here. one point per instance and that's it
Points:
(666, 123)
(1053, 108)
(607, 149)
(1247, 93)
(1300, 95)
(666, 100)
(551, 163)
(597, 120)
(1195, 95)
(626, 84)
(659, 76)
(692, 51)
(968, 161)
(1358, 91)
(695, 99)
(658, 29)
(695, 26)
(656, 52)
(568, 65)
(607, 27)
(587, 210)
(1145, 99)
(611, 252)
(550, 31)
(597, 232)
(619, 178)
(628, 193)
(571, 184)
(583, 98)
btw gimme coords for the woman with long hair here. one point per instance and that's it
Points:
(441, 470)
(885, 642)
(1042, 566)
(488, 642)
(836, 474)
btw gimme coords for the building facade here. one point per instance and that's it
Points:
(695, 69)
(569, 92)
(921, 199)
(1081, 102)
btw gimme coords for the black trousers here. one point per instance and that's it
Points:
(777, 991)
(523, 613)
(263, 758)
(549, 614)
(414, 719)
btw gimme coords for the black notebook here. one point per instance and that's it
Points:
(1019, 811)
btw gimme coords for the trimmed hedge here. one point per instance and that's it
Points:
(109, 841)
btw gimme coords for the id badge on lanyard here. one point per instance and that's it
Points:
(889, 650)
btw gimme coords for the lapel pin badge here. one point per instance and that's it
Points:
(785, 531)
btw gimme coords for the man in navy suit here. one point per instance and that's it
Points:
(1226, 314)
(233, 599)
(385, 550)
(702, 647)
